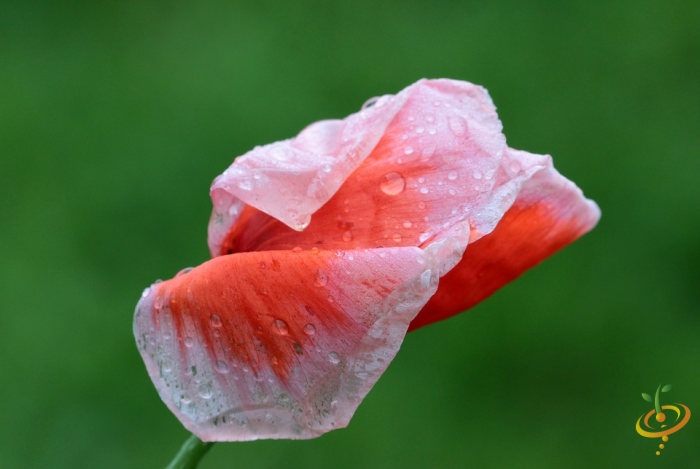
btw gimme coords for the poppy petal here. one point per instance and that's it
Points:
(279, 344)
(292, 179)
(438, 166)
(549, 213)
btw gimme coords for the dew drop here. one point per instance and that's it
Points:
(321, 278)
(408, 150)
(221, 367)
(309, 329)
(205, 392)
(396, 237)
(369, 103)
(432, 131)
(424, 190)
(263, 265)
(314, 250)
(407, 224)
(185, 400)
(296, 249)
(281, 327)
(246, 185)
(423, 237)
(420, 130)
(334, 358)
(430, 118)
(146, 292)
(457, 125)
(514, 166)
(392, 184)
(215, 320)
(427, 152)
(477, 174)
(189, 342)
(452, 176)
(347, 236)
(421, 205)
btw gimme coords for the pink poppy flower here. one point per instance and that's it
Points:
(330, 246)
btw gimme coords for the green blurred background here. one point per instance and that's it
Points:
(116, 116)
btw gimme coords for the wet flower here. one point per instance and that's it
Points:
(329, 246)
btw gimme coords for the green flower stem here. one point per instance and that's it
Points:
(189, 456)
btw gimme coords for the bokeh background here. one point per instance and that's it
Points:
(116, 116)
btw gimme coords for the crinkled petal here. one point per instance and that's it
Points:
(280, 344)
(439, 168)
(549, 213)
(292, 179)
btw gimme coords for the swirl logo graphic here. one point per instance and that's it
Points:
(662, 427)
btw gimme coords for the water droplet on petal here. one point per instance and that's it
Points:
(205, 391)
(189, 342)
(309, 329)
(407, 224)
(430, 118)
(321, 278)
(392, 184)
(408, 150)
(420, 130)
(334, 358)
(370, 102)
(221, 367)
(246, 185)
(424, 190)
(296, 249)
(215, 320)
(453, 175)
(396, 237)
(146, 292)
(427, 152)
(477, 174)
(347, 236)
(514, 166)
(457, 125)
(281, 327)
(263, 265)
